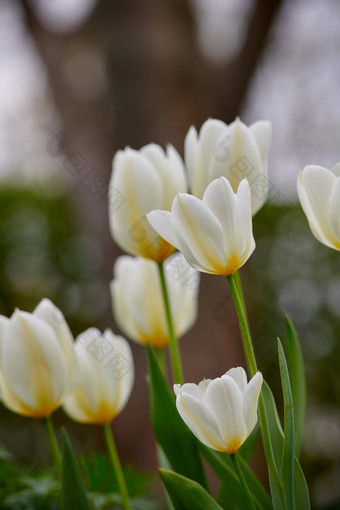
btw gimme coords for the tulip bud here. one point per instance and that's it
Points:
(319, 194)
(137, 298)
(221, 412)
(235, 152)
(37, 360)
(214, 234)
(145, 180)
(106, 375)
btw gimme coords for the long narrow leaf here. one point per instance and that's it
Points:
(287, 469)
(231, 492)
(301, 490)
(186, 494)
(73, 493)
(176, 440)
(297, 381)
(248, 447)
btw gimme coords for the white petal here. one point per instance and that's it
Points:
(211, 133)
(191, 389)
(190, 151)
(240, 377)
(200, 420)
(198, 232)
(161, 221)
(262, 132)
(250, 400)
(33, 364)
(140, 185)
(335, 169)
(234, 215)
(315, 185)
(225, 400)
(49, 313)
(335, 211)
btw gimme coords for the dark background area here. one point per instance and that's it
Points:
(82, 79)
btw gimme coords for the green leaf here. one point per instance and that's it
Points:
(248, 447)
(277, 439)
(231, 492)
(297, 381)
(73, 493)
(287, 468)
(186, 494)
(176, 440)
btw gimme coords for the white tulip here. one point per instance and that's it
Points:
(106, 375)
(319, 194)
(37, 360)
(137, 298)
(235, 152)
(214, 234)
(143, 180)
(221, 412)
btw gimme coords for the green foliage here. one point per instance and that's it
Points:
(231, 494)
(297, 381)
(186, 494)
(73, 492)
(287, 468)
(176, 440)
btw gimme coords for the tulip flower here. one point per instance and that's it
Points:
(143, 180)
(37, 360)
(215, 233)
(137, 298)
(106, 375)
(221, 412)
(319, 194)
(235, 152)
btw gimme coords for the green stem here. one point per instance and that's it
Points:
(243, 482)
(236, 291)
(160, 355)
(116, 466)
(175, 355)
(53, 443)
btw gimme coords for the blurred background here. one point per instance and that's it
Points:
(81, 79)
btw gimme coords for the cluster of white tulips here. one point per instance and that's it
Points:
(202, 207)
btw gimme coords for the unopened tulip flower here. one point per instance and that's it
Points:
(319, 194)
(106, 375)
(234, 151)
(37, 360)
(221, 412)
(142, 181)
(214, 234)
(137, 298)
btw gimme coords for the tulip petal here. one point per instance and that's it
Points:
(262, 132)
(189, 389)
(161, 222)
(240, 377)
(49, 313)
(210, 138)
(335, 211)
(250, 399)
(200, 420)
(335, 169)
(314, 189)
(38, 375)
(190, 151)
(224, 399)
(198, 232)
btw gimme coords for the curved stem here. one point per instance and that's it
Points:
(117, 466)
(236, 291)
(243, 482)
(175, 356)
(53, 443)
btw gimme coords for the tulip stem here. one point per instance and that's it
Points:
(236, 291)
(53, 443)
(175, 356)
(243, 482)
(114, 457)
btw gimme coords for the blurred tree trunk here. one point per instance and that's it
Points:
(133, 74)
